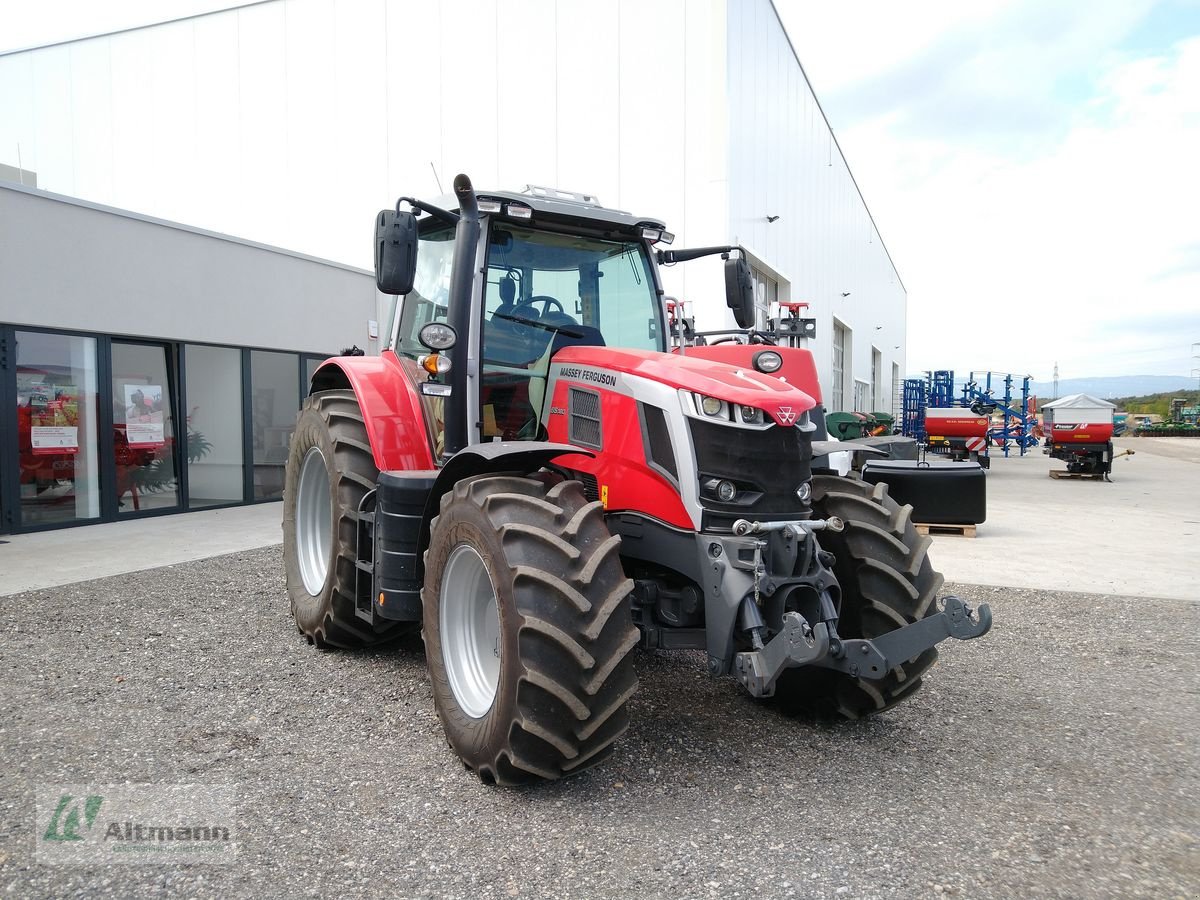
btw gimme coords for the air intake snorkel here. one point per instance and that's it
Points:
(466, 244)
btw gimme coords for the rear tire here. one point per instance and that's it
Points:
(887, 582)
(330, 469)
(527, 628)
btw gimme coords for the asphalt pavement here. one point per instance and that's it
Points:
(1056, 756)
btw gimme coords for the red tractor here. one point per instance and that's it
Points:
(531, 476)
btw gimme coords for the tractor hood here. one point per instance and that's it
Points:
(734, 384)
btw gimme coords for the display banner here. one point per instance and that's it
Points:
(144, 415)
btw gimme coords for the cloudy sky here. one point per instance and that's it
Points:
(1032, 166)
(1034, 169)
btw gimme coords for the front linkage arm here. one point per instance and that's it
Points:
(799, 645)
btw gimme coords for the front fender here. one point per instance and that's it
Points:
(399, 424)
(519, 457)
(499, 456)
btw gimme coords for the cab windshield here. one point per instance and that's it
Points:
(545, 288)
(545, 291)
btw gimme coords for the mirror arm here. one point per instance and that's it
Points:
(436, 211)
(666, 257)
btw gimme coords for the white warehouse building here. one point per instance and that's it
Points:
(289, 123)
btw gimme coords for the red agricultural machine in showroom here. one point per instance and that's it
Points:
(530, 475)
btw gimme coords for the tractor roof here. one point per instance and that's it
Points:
(565, 207)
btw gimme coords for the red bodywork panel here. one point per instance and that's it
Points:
(736, 383)
(624, 479)
(799, 369)
(1082, 433)
(392, 410)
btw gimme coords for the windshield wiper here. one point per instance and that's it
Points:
(557, 329)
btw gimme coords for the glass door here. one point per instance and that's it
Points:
(57, 429)
(215, 431)
(144, 428)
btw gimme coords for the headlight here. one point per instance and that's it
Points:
(750, 415)
(768, 361)
(437, 336)
(804, 491)
(725, 491)
(711, 406)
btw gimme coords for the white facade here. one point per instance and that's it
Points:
(291, 122)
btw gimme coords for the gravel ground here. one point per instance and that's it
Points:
(1055, 757)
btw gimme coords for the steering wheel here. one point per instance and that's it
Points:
(526, 308)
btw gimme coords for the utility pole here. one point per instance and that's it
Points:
(1055, 397)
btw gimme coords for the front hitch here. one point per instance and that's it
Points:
(798, 645)
(876, 657)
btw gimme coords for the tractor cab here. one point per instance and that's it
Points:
(545, 269)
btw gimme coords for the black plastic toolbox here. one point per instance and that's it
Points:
(941, 491)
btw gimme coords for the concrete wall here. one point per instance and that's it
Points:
(67, 264)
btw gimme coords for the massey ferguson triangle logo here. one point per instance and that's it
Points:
(787, 415)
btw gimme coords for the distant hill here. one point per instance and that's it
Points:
(1115, 386)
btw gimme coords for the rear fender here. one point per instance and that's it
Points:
(399, 424)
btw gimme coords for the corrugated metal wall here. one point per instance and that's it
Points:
(784, 161)
(292, 122)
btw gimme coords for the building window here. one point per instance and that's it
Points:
(214, 425)
(897, 391)
(57, 429)
(144, 428)
(97, 428)
(766, 295)
(275, 395)
(862, 395)
(837, 395)
(876, 386)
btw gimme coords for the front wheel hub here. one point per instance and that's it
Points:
(470, 629)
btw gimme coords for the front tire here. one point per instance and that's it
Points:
(330, 468)
(883, 568)
(527, 628)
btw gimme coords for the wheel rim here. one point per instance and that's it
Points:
(314, 522)
(470, 627)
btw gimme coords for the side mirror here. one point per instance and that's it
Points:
(739, 291)
(395, 251)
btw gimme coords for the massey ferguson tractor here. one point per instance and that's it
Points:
(534, 478)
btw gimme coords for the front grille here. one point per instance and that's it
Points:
(767, 466)
(583, 422)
